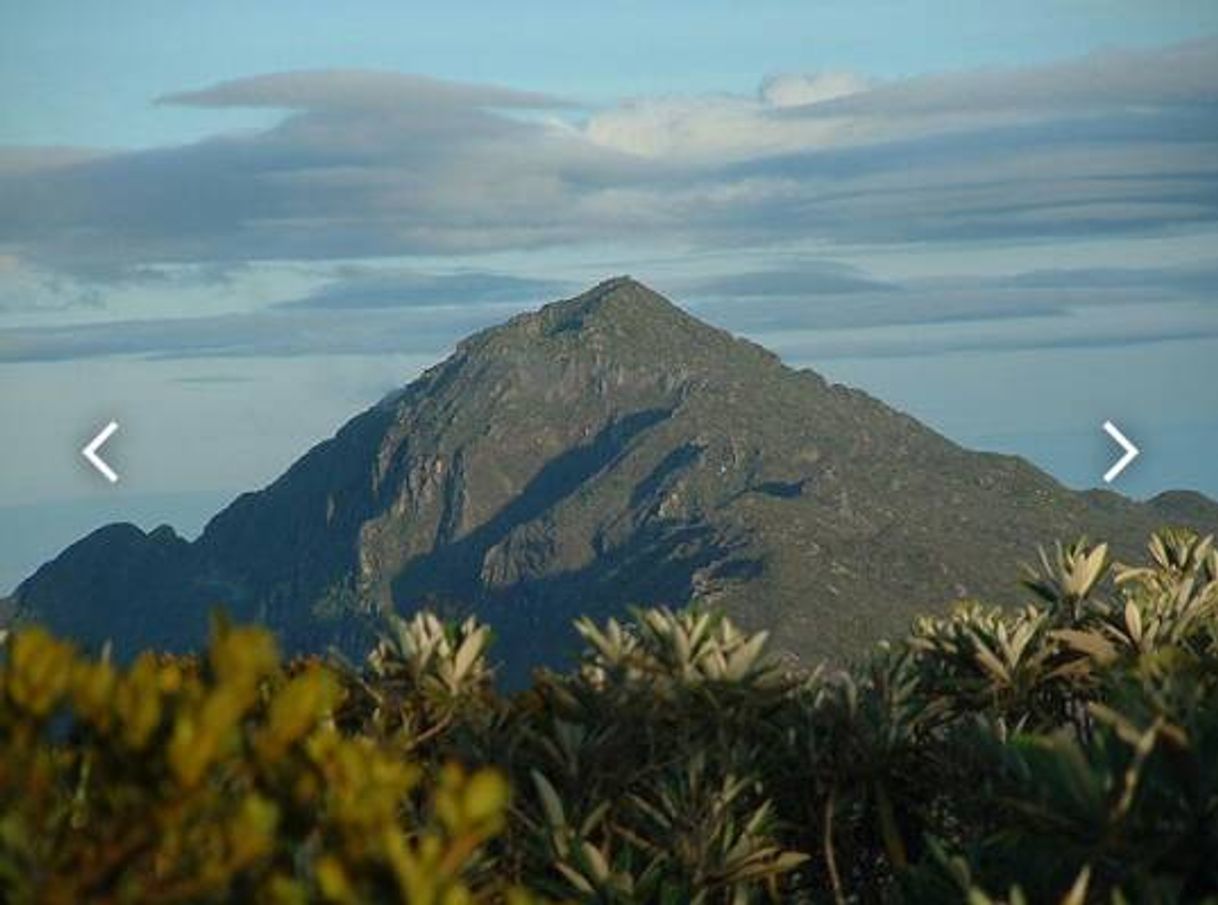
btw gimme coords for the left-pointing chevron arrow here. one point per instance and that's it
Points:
(91, 448)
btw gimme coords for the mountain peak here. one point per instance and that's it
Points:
(619, 320)
(621, 300)
(623, 291)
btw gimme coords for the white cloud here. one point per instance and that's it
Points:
(810, 111)
(726, 127)
(704, 129)
(798, 89)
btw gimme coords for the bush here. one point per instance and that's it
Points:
(219, 779)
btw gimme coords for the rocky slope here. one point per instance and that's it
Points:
(604, 451)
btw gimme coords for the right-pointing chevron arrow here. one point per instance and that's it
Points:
(1131, 452)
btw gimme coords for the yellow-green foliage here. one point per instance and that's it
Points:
(219, 779)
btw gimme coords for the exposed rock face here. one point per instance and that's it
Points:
(604, 451)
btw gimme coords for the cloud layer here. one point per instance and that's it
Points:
(373, 164)
(364, 288)
(810, 310)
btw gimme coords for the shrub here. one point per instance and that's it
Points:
(217, 779)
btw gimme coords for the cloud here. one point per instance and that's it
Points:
(434, 174)
(361, 288)
(809, 310)
(367, 165)
(206, 380)
(706, 129)
(1085, 329)
(1182, 75)
(810, 278)
(838, 303)
(357, 89)
(398, 311)
(1187, 280)
(807, 112)
(24, 291)
(733, 127)
(796, 89)
(258, 334)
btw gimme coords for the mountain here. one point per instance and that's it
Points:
(603, 451)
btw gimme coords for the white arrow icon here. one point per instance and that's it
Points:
(1131, 452)
(90, 452)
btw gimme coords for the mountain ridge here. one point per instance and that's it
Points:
(601, 451)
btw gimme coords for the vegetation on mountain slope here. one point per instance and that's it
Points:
(1065, 752)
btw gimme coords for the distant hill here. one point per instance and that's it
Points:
(603, 451)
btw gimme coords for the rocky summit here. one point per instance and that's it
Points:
(604, 451)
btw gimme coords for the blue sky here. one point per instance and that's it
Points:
(232, 225)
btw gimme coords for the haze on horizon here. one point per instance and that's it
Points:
(231, 229)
